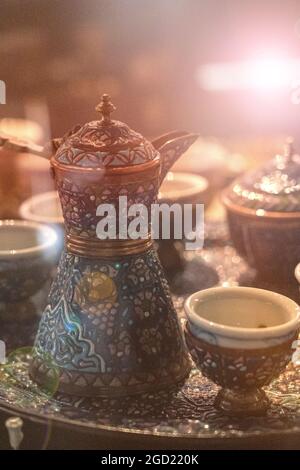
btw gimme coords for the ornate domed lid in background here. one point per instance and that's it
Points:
(104, 143)
(274, 187)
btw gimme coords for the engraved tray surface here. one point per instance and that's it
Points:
(184, 411)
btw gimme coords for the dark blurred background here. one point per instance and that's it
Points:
(228, 69)
(58, 57)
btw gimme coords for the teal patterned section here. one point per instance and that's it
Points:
(61, 337)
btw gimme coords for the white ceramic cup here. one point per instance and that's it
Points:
(242, 317)
(241, 338)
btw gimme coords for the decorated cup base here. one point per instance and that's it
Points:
(253, 402)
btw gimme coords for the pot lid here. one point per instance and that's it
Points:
(104, 143)
(273, 187)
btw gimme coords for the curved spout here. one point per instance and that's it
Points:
(171, 146)
(163, 139)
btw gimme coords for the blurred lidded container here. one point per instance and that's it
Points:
(263, 210)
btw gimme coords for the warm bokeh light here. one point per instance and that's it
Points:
(262, 74)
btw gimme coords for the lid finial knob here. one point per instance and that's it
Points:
(105, 107)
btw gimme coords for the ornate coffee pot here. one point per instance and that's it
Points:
(110, 327)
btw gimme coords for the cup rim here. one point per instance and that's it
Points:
(26, 208)
(199, 184)
(246, 333)
(49, 237)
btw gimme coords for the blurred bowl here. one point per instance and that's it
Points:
(211, 159)
(45, 208)
(181, 187)
(21, 176)
(27, 256)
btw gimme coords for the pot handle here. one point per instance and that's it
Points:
(17, 145)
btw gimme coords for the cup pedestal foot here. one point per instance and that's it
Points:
(238, 403)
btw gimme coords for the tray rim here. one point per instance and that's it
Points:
(125, 431)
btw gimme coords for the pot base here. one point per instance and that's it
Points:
(53, 379)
